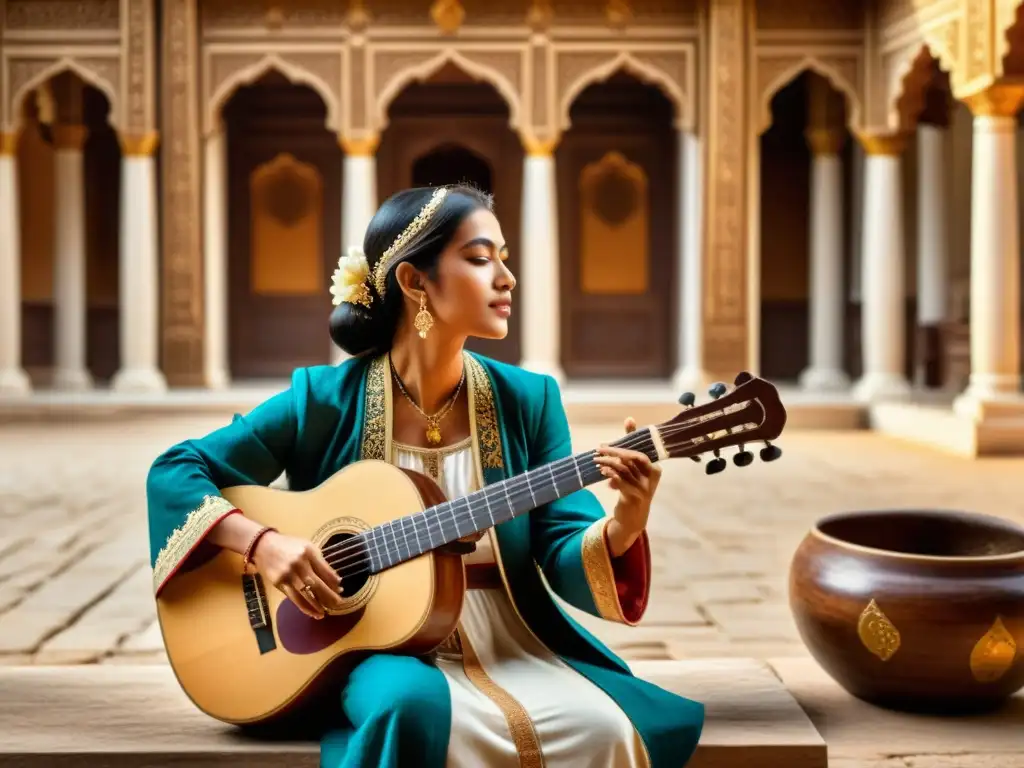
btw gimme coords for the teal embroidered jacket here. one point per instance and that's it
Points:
(332, 416)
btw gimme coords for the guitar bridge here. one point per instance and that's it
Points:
(258, 610)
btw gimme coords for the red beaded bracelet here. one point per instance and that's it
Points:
(247, 557)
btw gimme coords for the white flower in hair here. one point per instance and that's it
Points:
(349, 280)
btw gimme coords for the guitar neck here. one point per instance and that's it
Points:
(413, 535)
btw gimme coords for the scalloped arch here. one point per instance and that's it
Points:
(626, 62)
(68, 64)
(430, 66)
(854, 108)
(897, 82)
(250, 74)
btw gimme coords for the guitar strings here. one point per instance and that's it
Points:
(356, 546)
(342, 554)
(516, 486)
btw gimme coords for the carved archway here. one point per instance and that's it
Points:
(908, 82)
(789, 71)
(250, 73)
(625, 61)
(82, 69)
(430, 65)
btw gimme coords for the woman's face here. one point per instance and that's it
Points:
(472, 293)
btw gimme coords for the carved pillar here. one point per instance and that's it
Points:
(215, 261)
(70, 302)
(995, 251)
(883, 281)
(139, 265)
(182, 271)
(13, 379)
(359, 199)
(539, 265)
(727, 343)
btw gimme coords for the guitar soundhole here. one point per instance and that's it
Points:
(351, 559)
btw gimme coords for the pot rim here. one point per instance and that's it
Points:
(946, 514)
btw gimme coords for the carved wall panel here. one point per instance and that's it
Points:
(726, 332)
(227, 66)
(61, 15)
(670, 67)
(138, 81)
(181, 280)
(814, 15)
(777, 67)
(218, 16)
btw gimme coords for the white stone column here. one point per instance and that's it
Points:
(827, 303)
(70, 307)
(13, 379)
(995, 252)
(139, 267)
(539, 284)
(215, 261)
(883, 280)
(690, 374)
(359, 200)
(932, 228)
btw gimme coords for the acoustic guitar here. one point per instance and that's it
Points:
(245, 654)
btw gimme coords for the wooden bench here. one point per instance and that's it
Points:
(118, 716)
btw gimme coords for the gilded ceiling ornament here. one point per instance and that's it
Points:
(618, 13)
(540, 15)
(448, 15)
(357, 17)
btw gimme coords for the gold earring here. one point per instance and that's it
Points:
(424, 320)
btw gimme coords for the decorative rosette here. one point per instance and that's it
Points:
(349, 282)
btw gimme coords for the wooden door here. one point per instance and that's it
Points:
(284, 211)
(618, 246)
(446, 134)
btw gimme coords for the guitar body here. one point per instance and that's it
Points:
(244, 669)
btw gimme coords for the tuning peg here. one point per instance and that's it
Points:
(717, 390)
(770, 452)
(715, 466)
(743, 459)
(742, 378)
(687, 399)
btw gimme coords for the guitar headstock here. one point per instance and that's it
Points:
(751, 413)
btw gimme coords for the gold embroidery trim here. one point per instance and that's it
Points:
(597, 565)
(187, 535)
(375, 411)
(433, 458)
(485, 413)
(520, 726)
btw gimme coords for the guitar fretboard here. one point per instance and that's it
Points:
(413, 535)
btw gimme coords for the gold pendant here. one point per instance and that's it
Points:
(433, 434)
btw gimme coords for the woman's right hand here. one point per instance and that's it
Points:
(300, 571)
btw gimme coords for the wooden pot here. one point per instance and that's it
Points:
(914, 610)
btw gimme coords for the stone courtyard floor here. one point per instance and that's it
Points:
(75, 579)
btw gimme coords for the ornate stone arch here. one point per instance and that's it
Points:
(906, 81)
(626, 61)
(27, 75)
(428, 66)
(772, 79)
(247, 70)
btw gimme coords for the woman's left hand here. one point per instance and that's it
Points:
(636, 478)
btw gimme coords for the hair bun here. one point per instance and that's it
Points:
(358, 330)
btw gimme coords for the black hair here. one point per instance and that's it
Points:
(359, 330)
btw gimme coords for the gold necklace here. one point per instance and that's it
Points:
(433, 431)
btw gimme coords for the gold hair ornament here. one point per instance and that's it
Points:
(350, 279)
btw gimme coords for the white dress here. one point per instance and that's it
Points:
(575, 723)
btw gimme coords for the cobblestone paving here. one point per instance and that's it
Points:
(75, 580)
